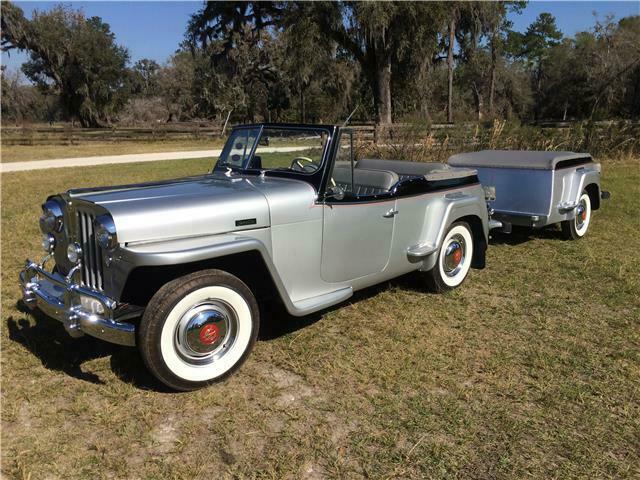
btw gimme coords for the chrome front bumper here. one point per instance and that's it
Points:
(80, 309)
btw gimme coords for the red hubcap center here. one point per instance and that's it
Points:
(457, 256)
(209, 334)
(584, 215)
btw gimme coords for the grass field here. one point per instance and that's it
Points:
(24, 153)
(530, 370)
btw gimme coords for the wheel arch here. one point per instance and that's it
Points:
(478, 258)
(593, 190)
(249, 266)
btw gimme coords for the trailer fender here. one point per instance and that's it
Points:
(584, 178)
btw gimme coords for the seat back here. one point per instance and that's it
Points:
(403, 168)
(365, 181)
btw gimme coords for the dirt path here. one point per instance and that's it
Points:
(134, 158)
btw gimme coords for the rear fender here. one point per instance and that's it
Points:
(440, 215)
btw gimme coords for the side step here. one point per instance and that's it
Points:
(313, 304)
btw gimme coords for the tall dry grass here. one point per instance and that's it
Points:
(421, 142)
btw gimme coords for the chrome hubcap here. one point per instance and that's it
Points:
(206, 332)
(454, 256)
(581, 214)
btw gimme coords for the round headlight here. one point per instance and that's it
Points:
(51, 219)
(106, 232)
(106, 239)
(48, 242)
(74, 252)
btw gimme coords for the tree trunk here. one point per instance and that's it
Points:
(477, 94)
(424, 109)
(492, 75)
(382, 90)
(452, 31)
(302, 114)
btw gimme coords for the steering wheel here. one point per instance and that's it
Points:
(298, 162)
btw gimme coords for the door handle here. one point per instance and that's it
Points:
(391, 213)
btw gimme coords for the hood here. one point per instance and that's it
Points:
(194, 206)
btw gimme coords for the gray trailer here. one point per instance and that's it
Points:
(536, 189)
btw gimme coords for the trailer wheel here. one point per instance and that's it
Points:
(454, 259)
(577, 227)
(198, 329)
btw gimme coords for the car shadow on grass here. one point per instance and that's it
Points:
(47, 340)
(276, 322)
(521, 235)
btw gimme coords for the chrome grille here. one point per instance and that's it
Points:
(91, 251)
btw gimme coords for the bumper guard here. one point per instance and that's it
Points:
(80, 309)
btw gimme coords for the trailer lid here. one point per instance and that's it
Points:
(525, 159)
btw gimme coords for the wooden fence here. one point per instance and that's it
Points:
(552, 135)
(67, 135)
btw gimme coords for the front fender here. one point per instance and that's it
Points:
(196, 249)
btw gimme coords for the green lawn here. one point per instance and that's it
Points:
(25, 153)
(530, 370)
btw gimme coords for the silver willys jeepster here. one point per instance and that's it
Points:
(177, 267)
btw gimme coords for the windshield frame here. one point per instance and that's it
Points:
(314, 178)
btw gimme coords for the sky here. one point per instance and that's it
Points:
(151, 29)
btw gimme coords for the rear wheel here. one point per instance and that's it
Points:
(454, 259)
(577, 227)
(198, 329)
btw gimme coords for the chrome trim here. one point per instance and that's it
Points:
(451, 266)
(206, 332)
(495, 224)
(106, 222)
(566, 207)
(58, 297)
(92, 273)
(49, 241)
(53, 207)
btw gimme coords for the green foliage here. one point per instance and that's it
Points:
(72, 56)
(321, 61)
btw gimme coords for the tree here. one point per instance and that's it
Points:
(144, 77)
(534, 46)
(72, 56)
(496, 26)
(22, 102)
(376, 35)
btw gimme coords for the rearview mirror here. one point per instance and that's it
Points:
(334, 193)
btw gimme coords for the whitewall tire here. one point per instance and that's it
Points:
(198, 329)
(454, 259)
(577, 227)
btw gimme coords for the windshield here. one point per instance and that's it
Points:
(276, 148)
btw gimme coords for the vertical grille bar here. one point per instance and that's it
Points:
(91, 251)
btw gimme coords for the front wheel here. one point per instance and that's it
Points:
(454, 259)
(577, 227)
(198, 329)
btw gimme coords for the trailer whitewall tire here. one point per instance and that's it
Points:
(198, 329)
(577, 227)
(454, 259)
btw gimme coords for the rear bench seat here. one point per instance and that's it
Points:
(407, 170)
(365, 181)
(373, 176)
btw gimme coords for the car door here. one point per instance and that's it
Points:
(357, 229)
(356, 239)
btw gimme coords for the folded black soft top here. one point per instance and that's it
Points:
(536, 160)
